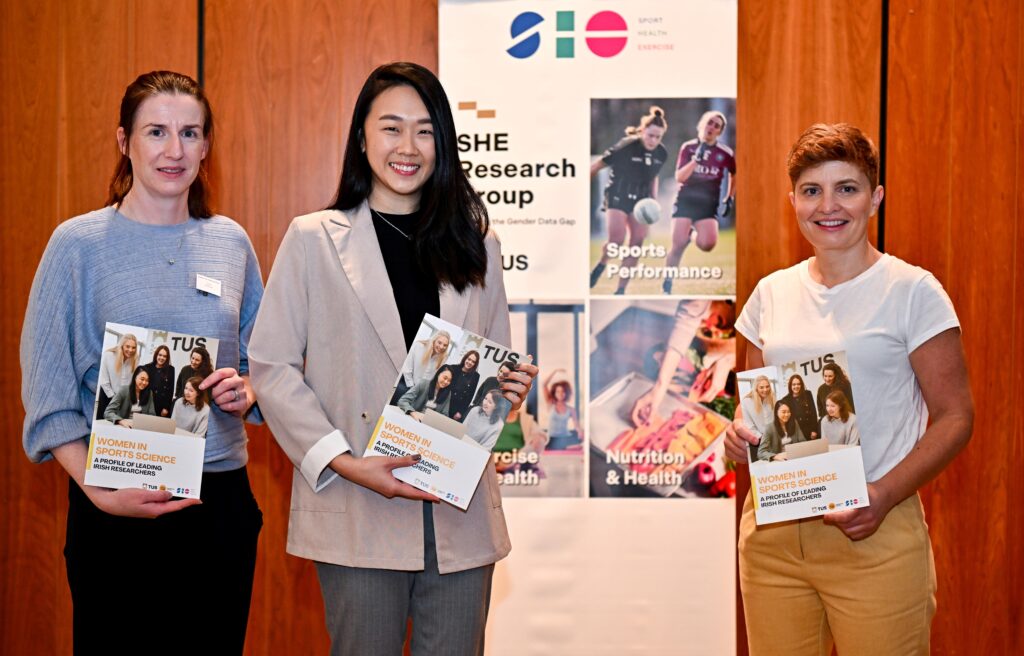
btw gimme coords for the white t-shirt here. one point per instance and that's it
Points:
(878, 319)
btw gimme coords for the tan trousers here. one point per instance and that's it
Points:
(806, 585)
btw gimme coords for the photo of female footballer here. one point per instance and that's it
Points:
(645, 211)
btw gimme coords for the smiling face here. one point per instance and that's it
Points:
(795, 386)
(764, 388)
(444, 379)
(828, 376)
(440, 344)
(195, 360)
(832, 409)
(652, 136)
(161, 357)
(398, 140)
(833, 202)
(783, 413)
(142, 380)
(165, 147)
(128, 349)
(469, 362)
(559, 393)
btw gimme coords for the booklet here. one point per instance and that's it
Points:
(150, 418)
(447, 407)
(808, 461)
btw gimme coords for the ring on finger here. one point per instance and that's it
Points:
(236, 394)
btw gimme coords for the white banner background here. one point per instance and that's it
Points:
(586, 575)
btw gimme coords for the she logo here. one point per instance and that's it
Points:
(605, 34)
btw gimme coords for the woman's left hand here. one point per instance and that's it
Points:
(860, 523)
(230, 391)
(516, 385)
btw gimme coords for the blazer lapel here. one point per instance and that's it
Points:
(356, 244)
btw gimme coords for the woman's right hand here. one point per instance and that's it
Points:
(738, 437)
(418, 416)
(132, 502)
(375, 473)
(127, 423)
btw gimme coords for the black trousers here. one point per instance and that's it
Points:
(177, 584)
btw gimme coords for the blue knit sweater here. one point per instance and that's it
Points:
(102, 267)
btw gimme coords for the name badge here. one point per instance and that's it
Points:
(207, 284)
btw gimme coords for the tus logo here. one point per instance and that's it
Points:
(605, 34)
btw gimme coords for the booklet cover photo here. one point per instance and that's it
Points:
(446, 406)
(808, 460)
(150, 418)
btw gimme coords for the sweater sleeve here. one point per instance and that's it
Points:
(202, 421)
(113, 412)
(51, 386)
(251, 298)
(414, 397)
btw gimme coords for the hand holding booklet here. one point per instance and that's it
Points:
(808, 461)
(446, 406)
(150, 417)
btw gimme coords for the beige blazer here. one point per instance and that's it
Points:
(324, 355)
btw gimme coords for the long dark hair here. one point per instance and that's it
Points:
(167, 353)
(449, 240)
(838, 371)
(440, 395)
(462, 362)
(143, 88)
(790, 426)
(205, 365)
(143, 397)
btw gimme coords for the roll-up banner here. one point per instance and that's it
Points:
(601, 137)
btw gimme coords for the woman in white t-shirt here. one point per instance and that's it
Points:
(861, 579)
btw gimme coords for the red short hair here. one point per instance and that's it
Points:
(824, 142)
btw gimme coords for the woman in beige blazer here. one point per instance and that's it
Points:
(406, 235)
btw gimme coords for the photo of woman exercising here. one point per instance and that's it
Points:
(635, 162)
(700, 169)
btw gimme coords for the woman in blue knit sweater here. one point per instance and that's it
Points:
(137, 262)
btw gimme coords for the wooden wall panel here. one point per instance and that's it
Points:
(64, 68)
(283, 78)
(32, 520)
(800, 62)
(1014, 430)
(105, 46)
(954, 195)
